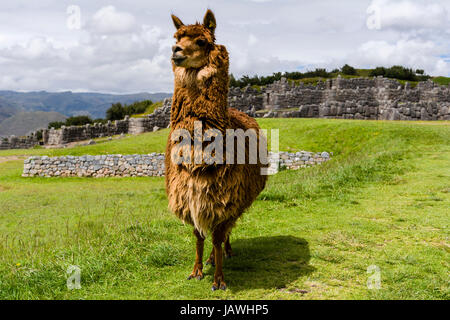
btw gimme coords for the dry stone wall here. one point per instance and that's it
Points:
(95, 166)
(157, 120)
(146, 165)
(86, 132)
(14, 142)
(358, 98)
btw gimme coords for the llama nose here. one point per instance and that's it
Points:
(175, 49)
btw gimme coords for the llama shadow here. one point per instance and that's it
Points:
(266, 262)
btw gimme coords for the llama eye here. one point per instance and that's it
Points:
(201, 42)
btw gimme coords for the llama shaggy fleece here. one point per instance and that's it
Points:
(211, 197)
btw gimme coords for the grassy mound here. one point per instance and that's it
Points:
(382, 200)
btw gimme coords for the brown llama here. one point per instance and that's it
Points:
(211, 197)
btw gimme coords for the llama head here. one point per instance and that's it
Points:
(194, 42)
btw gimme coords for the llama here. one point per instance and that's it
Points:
(211, 197)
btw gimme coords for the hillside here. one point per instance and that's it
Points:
(70, 103)
(23, 123)
(312, 234)
(8, 109)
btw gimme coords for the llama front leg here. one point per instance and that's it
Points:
(218, 238)
(198, 266)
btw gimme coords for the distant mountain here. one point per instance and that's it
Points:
(68, 103)
(23, 123)
(8, 109)
(54, 105)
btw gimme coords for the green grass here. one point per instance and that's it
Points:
(443, 81)
(308, 81)
(364, 72)
(361, 73)
(149, 110)
(145, 143)
(382, 200)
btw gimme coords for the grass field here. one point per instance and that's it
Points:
(382, 200)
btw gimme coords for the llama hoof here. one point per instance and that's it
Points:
(228, 255)
(211, 263)
(198, 274)
(222, 286)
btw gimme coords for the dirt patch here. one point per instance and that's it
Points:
(2, 188)
(12, 158)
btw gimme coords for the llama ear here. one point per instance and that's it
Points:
(209, 21)
(177, 22)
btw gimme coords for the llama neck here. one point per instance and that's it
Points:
(200, 93)
(186, 78)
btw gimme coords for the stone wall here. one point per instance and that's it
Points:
(135, 165)
(86, 132)
(157, 120)
(246, 99)
(14, 142)
(358, 98)
(302, 159)
(95, 166)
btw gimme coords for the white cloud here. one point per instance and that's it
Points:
(108, 20)
(252, 40)
(114, 55)
(126, 47)
(413, 53)
(409, 14)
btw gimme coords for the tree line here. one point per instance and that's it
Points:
(117, 111)
(395, 72)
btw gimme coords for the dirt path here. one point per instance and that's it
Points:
(12, 158)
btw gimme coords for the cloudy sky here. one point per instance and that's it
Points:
(124, 46)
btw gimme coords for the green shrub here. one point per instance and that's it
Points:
(349, 70)
(400, 73)
(56, 124)
(78, 121)
(72, 121)
(39, 135)
(395, 72)
(117, 111)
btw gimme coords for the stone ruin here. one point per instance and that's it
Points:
(139, 165)
(13, 142)
(160, 118)
(358, 98)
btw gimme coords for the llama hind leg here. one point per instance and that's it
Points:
(218, 237)
(198, 266)
(211, 259)
(228, 251)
